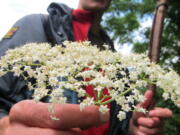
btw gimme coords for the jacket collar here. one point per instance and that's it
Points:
(58, 27)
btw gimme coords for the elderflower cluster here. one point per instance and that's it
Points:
(77, 65)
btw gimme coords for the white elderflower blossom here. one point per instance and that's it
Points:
(2, 72)
(87, 74)
(98, 88)
(81, 93)
(86, 102)
(121, 115)
(57, 96)
(102, 81)
(119, 85)
(141, 98)
(141, 83)
(49, 70)
(103, 109)
(39, 93)
(121, 100)
(30, 86)
(166, 96)
(17, 70)
(140, 109)
(113, 94)
(133, 75)
(126, 107)
(30, 71)
(53, 81)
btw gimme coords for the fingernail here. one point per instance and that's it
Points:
(104, 117)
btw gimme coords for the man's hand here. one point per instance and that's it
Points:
(153, 122)
(30, 118)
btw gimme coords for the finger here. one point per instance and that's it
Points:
(19, 129)
(150, 131)
(36, 114)
(146, 104)
(150, 122)
(159, 122)
(146, 122)
(152, 104)
(161, 113)
(148, 99)
(135, 117)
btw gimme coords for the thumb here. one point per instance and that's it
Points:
(148, 99)
(146, 104)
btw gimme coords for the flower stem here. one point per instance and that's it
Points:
(122, 94)
(99, 95)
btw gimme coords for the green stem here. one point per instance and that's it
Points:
(107, 102)
(122, 94)
(30, 64)
(149, 81)
(99, 102)
(125, 92)
(99, 95)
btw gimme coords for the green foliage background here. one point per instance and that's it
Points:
(123, 22)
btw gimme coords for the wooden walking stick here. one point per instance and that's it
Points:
(156, 34)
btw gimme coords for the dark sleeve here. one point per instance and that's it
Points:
(12, 89)
(29, 29)
(118, 127)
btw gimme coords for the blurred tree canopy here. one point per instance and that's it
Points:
(124, 20)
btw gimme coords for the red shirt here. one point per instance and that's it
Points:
(82, 21)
